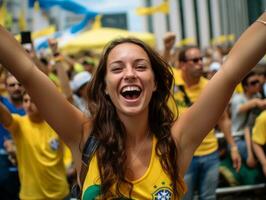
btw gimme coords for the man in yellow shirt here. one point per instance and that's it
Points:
(39, 154)
(259, 140)
(189, 83)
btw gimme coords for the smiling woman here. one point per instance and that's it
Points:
(128, 98)
(132, 110)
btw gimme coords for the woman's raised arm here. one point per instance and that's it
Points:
(193, 125)
(64, 118)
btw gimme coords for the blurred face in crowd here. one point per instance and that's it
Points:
(129, 78)
(262, 78)
(253, 84)
(193, 65)
(89, 67)
(14, 89)
(29, 106)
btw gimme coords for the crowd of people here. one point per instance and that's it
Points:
(195, 67)
(152, 117)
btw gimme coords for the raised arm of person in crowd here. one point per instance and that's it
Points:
(192, 126)
(64, 118)
(60, 69)
(32, 53)
(169, 42)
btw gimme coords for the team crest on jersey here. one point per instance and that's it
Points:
(54, 144)
(162, 193)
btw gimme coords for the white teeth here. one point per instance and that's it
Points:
(130, 88)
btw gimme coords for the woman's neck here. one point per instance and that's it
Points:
(137, 127)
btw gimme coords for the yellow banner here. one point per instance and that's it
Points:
(222, 39)
(22, 21)
(162, 8)
(186, 41)
(44, 32)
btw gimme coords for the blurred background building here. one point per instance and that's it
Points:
(198, 21)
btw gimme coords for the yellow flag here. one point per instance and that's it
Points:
(219, 40)
(97, 22)
(161, 8)
(231, 38)
(36, 6)
(5, 18)
(44, 32)
(222, 39)
(3, 13)
(186, 41)
(22, 21)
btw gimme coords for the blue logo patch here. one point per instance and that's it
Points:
(54, 144)
(162, 193)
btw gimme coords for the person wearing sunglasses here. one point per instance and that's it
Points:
(245, 107)
(203, 172)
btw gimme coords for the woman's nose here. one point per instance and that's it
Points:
(130, 74)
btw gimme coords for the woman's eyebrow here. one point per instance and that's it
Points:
(115, 62)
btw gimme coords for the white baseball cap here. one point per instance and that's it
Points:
(79, 80)
(214, 66)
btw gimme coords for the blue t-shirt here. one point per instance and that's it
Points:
(4, 134)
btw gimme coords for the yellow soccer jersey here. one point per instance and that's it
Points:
(259, 130)
(154, 184)
(210, 143)
(40, 160)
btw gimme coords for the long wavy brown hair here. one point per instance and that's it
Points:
(110, 130)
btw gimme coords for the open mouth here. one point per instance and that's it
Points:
(131, 92)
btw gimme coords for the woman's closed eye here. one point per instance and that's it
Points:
(141, 67)
(116, 69)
